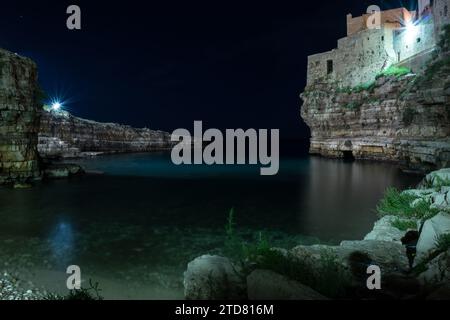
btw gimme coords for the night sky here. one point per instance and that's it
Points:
(164, 64)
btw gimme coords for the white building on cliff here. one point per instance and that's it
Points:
(402, 37)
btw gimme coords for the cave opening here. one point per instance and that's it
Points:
(348, 155)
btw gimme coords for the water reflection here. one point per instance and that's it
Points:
(61, 243)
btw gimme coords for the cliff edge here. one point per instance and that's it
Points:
(63, 135)
(19, 119)
(400, 117)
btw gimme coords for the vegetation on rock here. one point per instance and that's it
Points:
(400, 204)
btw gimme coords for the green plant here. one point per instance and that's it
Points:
(326, 276)
(394, 71)
(404, 225)
(436, 182)
(352, 105)
(400, 204)
(368, 86)
(233, 245)
(443, 242)
(84, 294)
(439, 182)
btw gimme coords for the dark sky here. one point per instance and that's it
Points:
(164, 64)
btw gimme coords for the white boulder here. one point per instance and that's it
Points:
(432, 229)
(213, 278)
(384, 231)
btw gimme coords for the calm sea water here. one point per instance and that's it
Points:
(134, 228)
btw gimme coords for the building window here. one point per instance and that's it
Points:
(445, 10)
(382, 38)
(418, 40)
(329, 66)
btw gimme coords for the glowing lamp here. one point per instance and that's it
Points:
(411, 32)
(56, 106)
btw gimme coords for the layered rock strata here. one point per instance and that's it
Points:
(64, 135)
(19, 119)
(400, 119)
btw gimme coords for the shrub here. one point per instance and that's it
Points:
(404, 225)
(327, 276)
(394, 71)
(352, 105)
(443, 242)
(436, 182)
(84, 294)
(369, 86)
(399, 204)
(233, 245)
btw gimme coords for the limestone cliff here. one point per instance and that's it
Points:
(64, 135)
(404, 119)
(19, 119)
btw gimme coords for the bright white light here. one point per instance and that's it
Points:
(56, 106)
(411, 32)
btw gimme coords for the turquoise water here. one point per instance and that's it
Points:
(135, 227)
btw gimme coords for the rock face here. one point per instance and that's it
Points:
(213, 278)
(268, 285)
(432, 229)
(384, 231)
(64, 135)
(19, 119)
(398, 119)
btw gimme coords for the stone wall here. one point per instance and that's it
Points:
(19, 120)
(357, 24)
(364, 53)
(413, 41)
(441, 14)
(357, 60)
(404, 120)
(64, 135)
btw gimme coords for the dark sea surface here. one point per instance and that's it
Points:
(135, 228)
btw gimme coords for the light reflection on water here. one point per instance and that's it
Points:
(141, 222)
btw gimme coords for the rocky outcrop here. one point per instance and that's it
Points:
(403, 119)
(319, 272)
(268, 285)
(213, 278)
(384, 230)
(64, 135)
(19, 119)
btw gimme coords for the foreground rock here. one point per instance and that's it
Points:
(12, 288)
(437, 270)
(19, 119)
(213, 278)
(268, 285)
(385, 231)
(432, 229)
(63, 135)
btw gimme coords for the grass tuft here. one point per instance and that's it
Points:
(404, 225)
(394, 71)
(400, 205)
